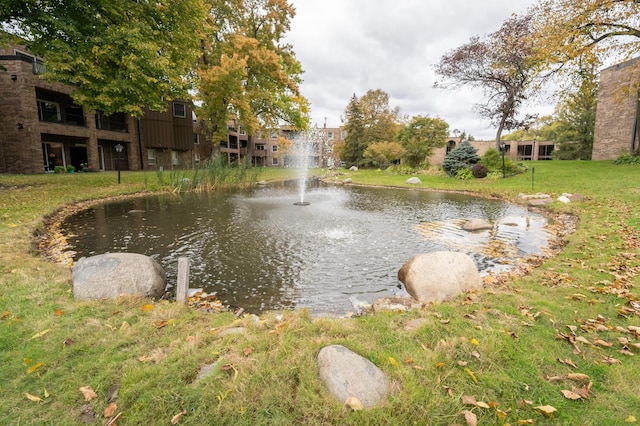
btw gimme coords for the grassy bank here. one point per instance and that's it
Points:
(561, 338)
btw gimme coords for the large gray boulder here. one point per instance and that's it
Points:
(474, 225)
(414, 181)
(440, 275)
(112, 275)
(347, 375)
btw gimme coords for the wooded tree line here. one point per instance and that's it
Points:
(563, 40)
(126, 55)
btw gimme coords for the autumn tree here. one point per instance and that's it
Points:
(246, 71)
(420, 136)
(577, 32)
(502, 65)
(368, 120)
(120, 55)
(382, 154)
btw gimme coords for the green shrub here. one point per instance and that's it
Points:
(464, 156)
(59, 169)
(464, 174)
(479, 171)
(627, 159)
(492, 160)
(400, 170)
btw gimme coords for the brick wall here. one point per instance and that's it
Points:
(616, 111)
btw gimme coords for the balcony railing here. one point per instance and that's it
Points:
(39, 67)
(64, 118)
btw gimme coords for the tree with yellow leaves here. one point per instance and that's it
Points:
(246, 72)
(570, 32)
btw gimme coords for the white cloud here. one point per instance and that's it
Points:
(351, 46)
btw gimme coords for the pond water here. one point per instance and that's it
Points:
(257, 250)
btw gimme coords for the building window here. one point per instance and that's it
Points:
(259, 135)
(196, 158)
(49, 111)
(274, 148)
(151, 157)
(179, 110)
(241, 130)
(343, 135)
(260, 147)
(196, 138)
(274, 135)
(274, 161)
(330, 136)
(174, 158)
(545, 152)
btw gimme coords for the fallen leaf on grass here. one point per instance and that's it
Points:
(5, 315)
(567, 362)
(630, 419)
(611, 360)
(393, 362)
(58, 313)
(470, 418)
(38, 335)
(190, 339)
(163, 323)
(570, 395)
(526, 422)
(578, 377)
(147, 308)
(469, 400)
(354, 404)
(110, 410)
(471, 374)
(34, 367)
(230, 367)
(175, 419)
(582, 340)
(32, 397)
(88, 393)
(546, 410)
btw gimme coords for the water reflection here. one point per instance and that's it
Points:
(258, 251)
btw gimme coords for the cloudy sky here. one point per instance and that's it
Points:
(351, 46)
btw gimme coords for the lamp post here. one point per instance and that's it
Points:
(502, 147)
(118, 151)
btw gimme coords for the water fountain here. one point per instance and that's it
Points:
(305, 148)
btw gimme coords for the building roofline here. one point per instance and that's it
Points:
(622, 64)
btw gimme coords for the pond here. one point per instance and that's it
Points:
(256, 250)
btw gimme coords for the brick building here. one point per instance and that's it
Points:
(617, 129)
(41, 128)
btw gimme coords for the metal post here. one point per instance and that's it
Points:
(118, 151)
(533, 172)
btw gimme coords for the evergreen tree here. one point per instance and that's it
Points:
(462, 157)
(354, 147)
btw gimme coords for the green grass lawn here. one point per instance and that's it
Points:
(559, 345)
